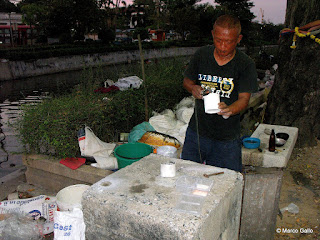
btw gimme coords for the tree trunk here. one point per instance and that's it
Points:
(294, 99)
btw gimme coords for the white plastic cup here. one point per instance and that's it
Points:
(211, 103)
(168, 170)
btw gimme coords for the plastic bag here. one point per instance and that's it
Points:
(91, 146)
(20, 227)
(291, 208)
(36, 207)
(69, 225)
(137, 132)
(187, 102)
(184, 114)
(168, 151)
(128, 82)
(163, 123)
(105, 162)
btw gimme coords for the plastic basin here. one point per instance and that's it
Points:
(251, 143)
(129, 153)
(70, 197)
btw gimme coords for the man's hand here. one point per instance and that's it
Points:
(224, 109)
(197, 91)
(235, 107)
(193, 88)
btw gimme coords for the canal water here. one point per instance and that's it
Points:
(13, 94)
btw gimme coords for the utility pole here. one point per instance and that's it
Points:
(262, 15)
(11, 34)
(158, 12)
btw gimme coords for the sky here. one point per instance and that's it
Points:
(274, 10)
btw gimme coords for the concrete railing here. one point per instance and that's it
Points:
(21, 69)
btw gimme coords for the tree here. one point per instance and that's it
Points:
(111, 11)
(294, 99)
(207, 15)
(7, 6)
(35, 15)
(152, 13)
(64, 18)
(106, 35)
(265, 34)
(240, 9)
(143, 33)
(183, 20)
(182, 16)
(84, 17)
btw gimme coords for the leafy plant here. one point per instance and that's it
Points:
(51, 126)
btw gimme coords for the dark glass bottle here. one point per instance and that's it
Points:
(272, 141)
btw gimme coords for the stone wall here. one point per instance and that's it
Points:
(21, 69)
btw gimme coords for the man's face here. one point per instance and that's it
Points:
(225, 40)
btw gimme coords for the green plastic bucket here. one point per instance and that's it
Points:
(129, 153)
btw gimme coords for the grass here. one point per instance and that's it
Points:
(51, 126)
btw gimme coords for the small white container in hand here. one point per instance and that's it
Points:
(211, 103)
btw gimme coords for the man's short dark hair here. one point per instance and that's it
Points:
(228, 21)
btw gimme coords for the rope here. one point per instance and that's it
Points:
(308, 30)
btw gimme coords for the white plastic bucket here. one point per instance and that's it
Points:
(70, 197)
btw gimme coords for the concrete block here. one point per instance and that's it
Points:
(137, 203)
(265, 158)
(47, 172)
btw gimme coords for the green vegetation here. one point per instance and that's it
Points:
(53, 124)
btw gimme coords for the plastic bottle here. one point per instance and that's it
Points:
(272, 141)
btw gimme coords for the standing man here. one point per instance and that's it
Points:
(214, 139)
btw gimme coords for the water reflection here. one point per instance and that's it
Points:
(20, 89)
(13, 94)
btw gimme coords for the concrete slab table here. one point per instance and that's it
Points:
(263, 172)
(266, 159)
(137, 203)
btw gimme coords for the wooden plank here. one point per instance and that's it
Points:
(260, 203)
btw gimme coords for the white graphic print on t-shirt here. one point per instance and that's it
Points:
(223, 86)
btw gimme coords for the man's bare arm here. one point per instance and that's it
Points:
(235, 107)
(193, 88)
